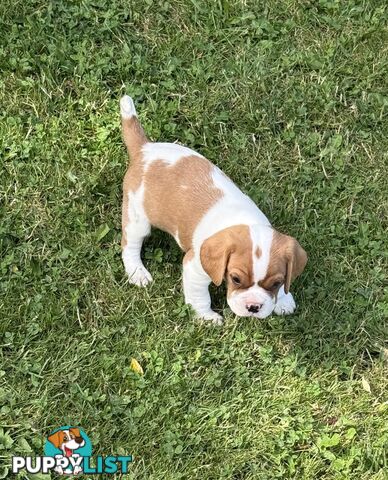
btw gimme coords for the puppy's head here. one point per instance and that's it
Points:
(256, 262)
(67, 439)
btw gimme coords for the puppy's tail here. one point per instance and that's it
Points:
(133, 133)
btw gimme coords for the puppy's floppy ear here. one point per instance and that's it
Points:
(215, 253)
(296, 261)
(75, 431)
(56, 438)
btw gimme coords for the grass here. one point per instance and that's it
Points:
(290, 100)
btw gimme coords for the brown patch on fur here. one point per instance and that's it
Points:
(177, 196)
(286, 262)
(229, 252)
(133, 136)
(258, 252)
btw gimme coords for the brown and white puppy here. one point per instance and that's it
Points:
(223, 233)
(68, 441)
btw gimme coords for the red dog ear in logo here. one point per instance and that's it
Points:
(57, 438)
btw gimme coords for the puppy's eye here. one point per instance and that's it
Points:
(65, 439)
(236, 280)
(275, 285)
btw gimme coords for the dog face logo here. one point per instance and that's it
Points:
(68, 451)
(68, 445)
(67, 440)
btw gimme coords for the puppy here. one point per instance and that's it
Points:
(222, 232)
(68, 441)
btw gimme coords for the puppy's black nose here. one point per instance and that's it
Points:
(254, 307)
(79, 440)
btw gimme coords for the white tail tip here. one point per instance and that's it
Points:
(127, 107)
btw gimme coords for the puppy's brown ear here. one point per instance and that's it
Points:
(56, 438)
(214, 255)
(296, 261)
(75, 431)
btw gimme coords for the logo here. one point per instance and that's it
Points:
(68, 451)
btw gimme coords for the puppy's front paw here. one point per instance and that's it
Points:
(211, 316)
(285, 305)
(59, 468)
(139, 276)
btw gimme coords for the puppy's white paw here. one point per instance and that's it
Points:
(285, 305)
(211, 316)
(139, 276)
(59, 468)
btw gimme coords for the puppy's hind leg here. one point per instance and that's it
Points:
(135, 227)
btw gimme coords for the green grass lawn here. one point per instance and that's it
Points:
(290, 99)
